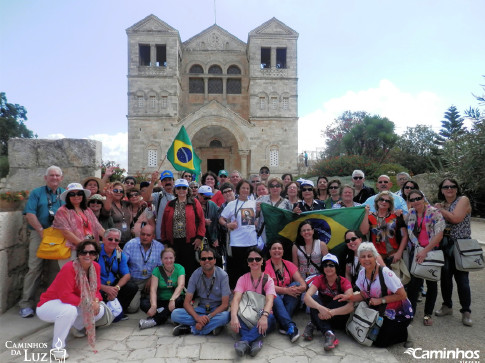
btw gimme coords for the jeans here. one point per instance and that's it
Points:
(284, 307)
(462, 283)
(141, 299)
(337, 322)
(181, 316)
(161, 318)
(251, 335)
(431, 294)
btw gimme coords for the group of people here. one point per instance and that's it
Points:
(157, 248)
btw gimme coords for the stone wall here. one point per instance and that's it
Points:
(28, 160)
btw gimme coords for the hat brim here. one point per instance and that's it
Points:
(87, 193)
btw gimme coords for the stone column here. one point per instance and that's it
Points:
(244, 162)
(153, 55)
(273, 57)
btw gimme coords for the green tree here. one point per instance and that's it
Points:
(416, 149)
(337, 130)
(451, 127)
(373, 137)
(12, 118)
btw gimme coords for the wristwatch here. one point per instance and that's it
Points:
(383, 301)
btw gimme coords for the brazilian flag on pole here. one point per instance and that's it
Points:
(329, 224)
(181, 154)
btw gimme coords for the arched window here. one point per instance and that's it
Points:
(273, 156)
(196, 69)
(234, 86)
(233, 70)
(215, 143)
(215, 70)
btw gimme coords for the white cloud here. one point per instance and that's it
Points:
(55, 136)
(404, 109)
(115, 147)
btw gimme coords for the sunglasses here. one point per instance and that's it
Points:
(227, 191)
(194, 187)
(449, 187)
(264, 172)
(275, 186)
(333, 187)
(96, 202)
(383, 181)
(307, 189)
(111, 239)
(358, 177)
(415, 199)
(408, 187)
(328, 265)
(181, 188)
(133, 195)
(118, 191)
(75, 194)
(206, 258)
(252, 259)
(91, 253)
(255, 181)
(351, 239)
(206, 198)
(384, 200)
(129, 183)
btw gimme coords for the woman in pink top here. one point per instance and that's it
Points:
(72, 300)
(257, 281)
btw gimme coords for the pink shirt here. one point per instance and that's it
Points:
(288, 277)
(423, 234)
(244, 284)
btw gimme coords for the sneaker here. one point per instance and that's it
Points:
(466, 319)
(293, 333)
(308, 332)
(146, 323)
(329, 341)
(282, 331)
(241, 347)
(59, 354)
(181, 330)
(78, 333)
(26, 312)
(256, 346)
(124, 317)
(217, 330)
(445, 310)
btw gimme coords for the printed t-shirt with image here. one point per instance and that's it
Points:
(243, 212)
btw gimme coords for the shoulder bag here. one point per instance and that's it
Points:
(53, 245)
(430, 268)
(251, 306)
(468, 255)
(107, 318)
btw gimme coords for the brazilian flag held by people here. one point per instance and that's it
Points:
(181, 154)
(329, 224)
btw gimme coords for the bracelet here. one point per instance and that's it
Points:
(118, 287)
(265, 313)
(172, 299)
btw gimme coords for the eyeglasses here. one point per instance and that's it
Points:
(449, 187)
(227, 191)
(255, 181)
(358, 177)
(206, 258)
(95, 202)
(179, 188)
(328, 265)
(384, 200)
(252, 259)
(408, 187)
(75, 194)
(264, 172)
(415, 199)
(194, 187)
(91, 253)
(307, 189)
(118, 191)
(351, 239)
(275, 186)
(133, 195)
(222, 176)
(111, 239)
(205, 198)
(383, 181)
(333, 187)
(129, 183)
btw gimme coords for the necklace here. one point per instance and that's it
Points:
(255, 286)
(83, 218)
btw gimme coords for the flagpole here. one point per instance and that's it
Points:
(161, 163)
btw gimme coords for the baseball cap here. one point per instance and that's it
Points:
(307, 182)
(330, 257)
(223, 172)
(205, 190)
(181, 183)
(166, 174)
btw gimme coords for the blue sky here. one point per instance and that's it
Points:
(66, 61)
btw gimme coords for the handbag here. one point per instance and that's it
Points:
(468, 255)
(401, 270)
(430, 268)
(53, 245)
(115, 307)
(251, 306)
(107, 318)
(364, 324)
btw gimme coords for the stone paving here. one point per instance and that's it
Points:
(124, 342)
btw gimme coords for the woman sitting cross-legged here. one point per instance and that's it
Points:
(72, 300)
(289, 286)
(166, 290)
(327, 313)
(398, 311)
(259, 282)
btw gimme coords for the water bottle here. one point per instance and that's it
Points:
(374, 332)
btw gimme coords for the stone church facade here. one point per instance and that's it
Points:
(238, 101)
